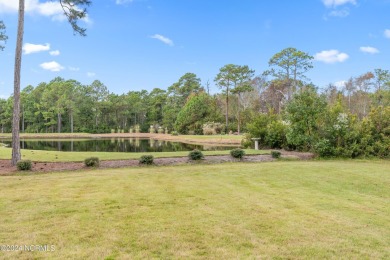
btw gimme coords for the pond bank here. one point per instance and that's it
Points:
(190, 139)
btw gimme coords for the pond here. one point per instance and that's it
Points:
(110, 145)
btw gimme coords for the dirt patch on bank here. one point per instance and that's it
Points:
(7, 169)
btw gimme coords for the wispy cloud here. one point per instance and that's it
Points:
(55, 53)
(91, 74)
(338, 7)
(122, 2)
(163, 39)
(339, 13)
(29, 48)
(335, 3)
(368, 49)
(331, 56)
(52, 66)
(74, 69)
(387, 33)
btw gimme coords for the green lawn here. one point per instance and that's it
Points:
(54, 156)
(281, 210)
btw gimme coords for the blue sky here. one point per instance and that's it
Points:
(143, 44)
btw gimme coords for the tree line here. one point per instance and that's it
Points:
(280, 106)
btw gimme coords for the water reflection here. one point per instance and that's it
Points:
(110, 145)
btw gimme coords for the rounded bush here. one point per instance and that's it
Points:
(146, 159)
(24, 165)
(174, 133)
(275, 154)
(324, 148)
(92, 162)
(237, 153)
(195, 155)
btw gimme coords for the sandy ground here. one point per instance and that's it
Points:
(7, 169)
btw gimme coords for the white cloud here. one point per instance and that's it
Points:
(387, 33)
(91, 74)
(52, 66)
(163, 39)
(33, 6)
(368, 49)
(331, 56)
(74, 69)
(4, 97)
(122, 2)
(335, 3)
(29, 48)
(55, 53)
(51, 9)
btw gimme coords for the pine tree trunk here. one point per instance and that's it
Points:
(18, 64)
(71, 122)
(227, 111)
(59, 122)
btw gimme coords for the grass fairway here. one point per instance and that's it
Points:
(304, 210)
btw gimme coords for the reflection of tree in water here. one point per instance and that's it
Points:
(110, 145)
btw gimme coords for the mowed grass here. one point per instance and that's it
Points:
(281, 210)
(55, 156)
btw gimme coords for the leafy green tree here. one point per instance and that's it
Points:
(98, 92)
(188, 83)
(304, 114)
(234, 79)
(156, 102)
(194, 114)
(27, 106)
(290, 65)
(242, 84)
(225, 80)
(382, 84)
(177, 96)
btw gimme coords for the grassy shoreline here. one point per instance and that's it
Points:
(192, 139)
(55, 156)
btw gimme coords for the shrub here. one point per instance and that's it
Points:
(146, 159)
(174, 133)
(24, 165)
(237, 153)
(92, 162)
(246, 141)
(195, 155)
(324, 148)
(276, 134)
(212, 128)
(275, 154)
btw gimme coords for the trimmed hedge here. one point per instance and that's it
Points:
(237, 153)
(24, 165)
(195, 155)
(275, 154)
(92, 162)
(146, 159)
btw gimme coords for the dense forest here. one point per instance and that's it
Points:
(280, 106)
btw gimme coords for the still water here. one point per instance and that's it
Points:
(110, 145)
